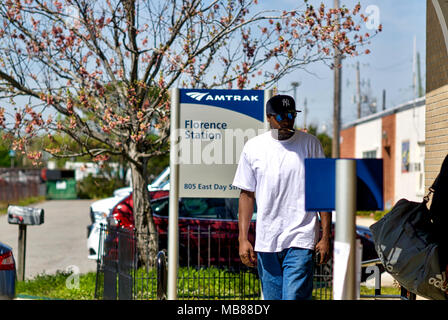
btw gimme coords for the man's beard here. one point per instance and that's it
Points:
(282, 134)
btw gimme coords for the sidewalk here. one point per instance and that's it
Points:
(364, 221)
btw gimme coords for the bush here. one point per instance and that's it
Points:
(97, 187)
(376, 215)
(23, 202)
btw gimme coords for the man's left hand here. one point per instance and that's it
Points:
(323, 247)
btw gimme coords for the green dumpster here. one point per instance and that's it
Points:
(62, 189)
(61, 184)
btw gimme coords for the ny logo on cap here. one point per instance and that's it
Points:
(286, 102)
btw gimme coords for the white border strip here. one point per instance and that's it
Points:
(442, 21)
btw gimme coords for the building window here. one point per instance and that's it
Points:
(369, 154)
(405, 164)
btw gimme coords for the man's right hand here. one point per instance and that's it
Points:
(247, 254)
(245, 211)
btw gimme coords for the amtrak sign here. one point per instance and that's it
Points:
(208, 131)
(213, 127)
(221, 97)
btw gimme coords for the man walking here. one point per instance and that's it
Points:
(271, 173)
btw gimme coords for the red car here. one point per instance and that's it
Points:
(208, 228)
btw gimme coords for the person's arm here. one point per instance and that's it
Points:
(245, 212)
(323, 246)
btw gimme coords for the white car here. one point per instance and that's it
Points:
(99, 210)
(159, 183)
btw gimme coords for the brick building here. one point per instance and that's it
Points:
(383, 135)
(396, 135)
(436, 87)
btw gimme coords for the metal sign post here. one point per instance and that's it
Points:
(344, 185)
(22, 253)
(173, 217)
(344, 279)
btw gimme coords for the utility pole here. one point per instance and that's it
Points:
(419, 77)
(305, 111)
(335, 151)
(294, 85)
(358, 90)
(414, 70)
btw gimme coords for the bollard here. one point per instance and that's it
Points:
(161, 275)
(345, 245)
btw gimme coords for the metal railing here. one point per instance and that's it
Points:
(206, 272)
(209, 269)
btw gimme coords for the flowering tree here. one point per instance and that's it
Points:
(100, 71)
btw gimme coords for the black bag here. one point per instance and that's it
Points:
(405, 243)
(411, 241)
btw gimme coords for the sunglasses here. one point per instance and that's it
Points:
(282, 116)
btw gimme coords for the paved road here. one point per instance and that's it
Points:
(58, 243)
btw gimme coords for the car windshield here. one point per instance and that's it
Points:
(162, 178)
(208, 208)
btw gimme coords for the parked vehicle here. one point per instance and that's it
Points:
(99, 210)
(208, 217)
(208, 228)
(162, 182)
(7, 273)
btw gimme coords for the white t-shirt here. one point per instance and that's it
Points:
(275, 171)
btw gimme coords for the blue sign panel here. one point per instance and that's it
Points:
(320, 184)
(247, 102)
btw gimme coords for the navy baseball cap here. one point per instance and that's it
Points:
(281, 104)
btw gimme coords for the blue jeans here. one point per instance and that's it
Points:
(286, 275)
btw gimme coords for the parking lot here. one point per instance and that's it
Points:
(58, 243)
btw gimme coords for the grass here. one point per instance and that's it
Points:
(204, 283)
(191, 284)
(384, 291)
(62, 285)
(22, 203)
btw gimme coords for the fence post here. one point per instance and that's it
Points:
(99, 261)
(161, 276)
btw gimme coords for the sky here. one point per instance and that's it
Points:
(388, 67)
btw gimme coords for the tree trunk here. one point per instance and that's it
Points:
(146, 232)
